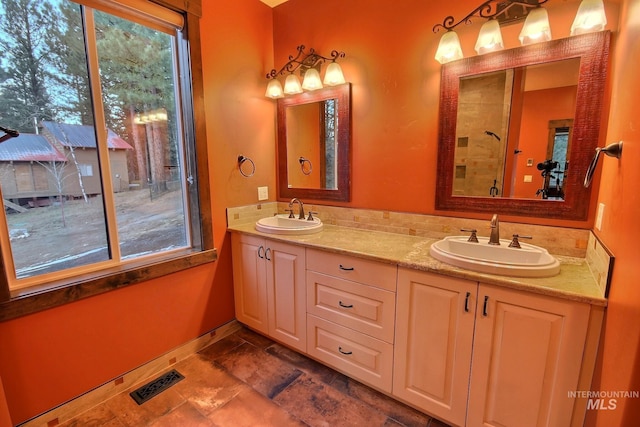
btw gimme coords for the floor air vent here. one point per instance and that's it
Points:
(156, 386)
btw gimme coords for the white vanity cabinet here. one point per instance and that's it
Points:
(469, 353)
(514, 354)
(527, 355)
(350, 315)
(269, 288)
(434, 336)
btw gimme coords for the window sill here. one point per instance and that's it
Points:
(38, 298)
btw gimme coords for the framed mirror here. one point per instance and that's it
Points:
(519, 127)
(314, 144)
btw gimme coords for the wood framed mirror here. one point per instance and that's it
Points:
(581, 133)
(314, 144)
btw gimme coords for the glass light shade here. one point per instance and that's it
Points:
(274, 90)
(292, 85)
(333, 76)
(590, 17)
(490, 38)
(311, 80)
(536, 27)
(449, 48)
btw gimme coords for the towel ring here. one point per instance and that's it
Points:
(241, 161)
(611, 150)
(305, 170)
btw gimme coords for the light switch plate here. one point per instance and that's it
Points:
(528, 178)
(599, 216)
(263, 193)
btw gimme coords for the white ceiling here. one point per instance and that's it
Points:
(273, 3)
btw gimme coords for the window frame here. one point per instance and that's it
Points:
(20, 302)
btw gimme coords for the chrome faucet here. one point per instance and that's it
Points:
(495, 230)
(299, 202)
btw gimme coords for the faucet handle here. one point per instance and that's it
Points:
(291, 215)
(310, 217)
(515, 243)
(474, 237)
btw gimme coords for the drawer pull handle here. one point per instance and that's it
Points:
(344, 352)
(466, 302)
(485, 307)
(342, 267)
(343, 305)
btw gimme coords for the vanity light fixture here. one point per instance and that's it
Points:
(309, 66)
(590, 17)
(490, 37)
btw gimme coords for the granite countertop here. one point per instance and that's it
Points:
(575, 280)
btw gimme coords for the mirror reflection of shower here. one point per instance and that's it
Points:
(507, 122)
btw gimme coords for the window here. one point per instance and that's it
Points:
(102, 175)
(85, 169)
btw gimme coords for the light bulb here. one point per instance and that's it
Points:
(311, 80)
(333, 76)
(590, 17)
(274, 89)
(536, 27)
(292, 85)
(489, 38)
(449, 48)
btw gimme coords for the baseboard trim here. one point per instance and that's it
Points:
(88, 400)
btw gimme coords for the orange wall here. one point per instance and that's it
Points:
(55, 355)
(389, 50)
(619, 364)
(5, 416)
(52, 356)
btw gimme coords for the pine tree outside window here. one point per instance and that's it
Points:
(103, 175)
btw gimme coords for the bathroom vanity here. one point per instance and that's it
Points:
(468, 348)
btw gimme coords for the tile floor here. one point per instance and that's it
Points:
(246, 379)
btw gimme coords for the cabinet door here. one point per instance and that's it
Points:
(286, 293)
(526, 358)
(249, 281)
(434, 334)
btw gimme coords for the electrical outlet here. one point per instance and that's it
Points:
(599, 216)
(528, 178)
(263, 193)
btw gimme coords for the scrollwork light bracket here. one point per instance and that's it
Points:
(304, 61)
(505, 11)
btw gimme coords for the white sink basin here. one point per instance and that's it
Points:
(528, 261)
(282, 224)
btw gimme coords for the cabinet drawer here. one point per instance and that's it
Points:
(359, 270)
(356, 355)
(364, 308)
